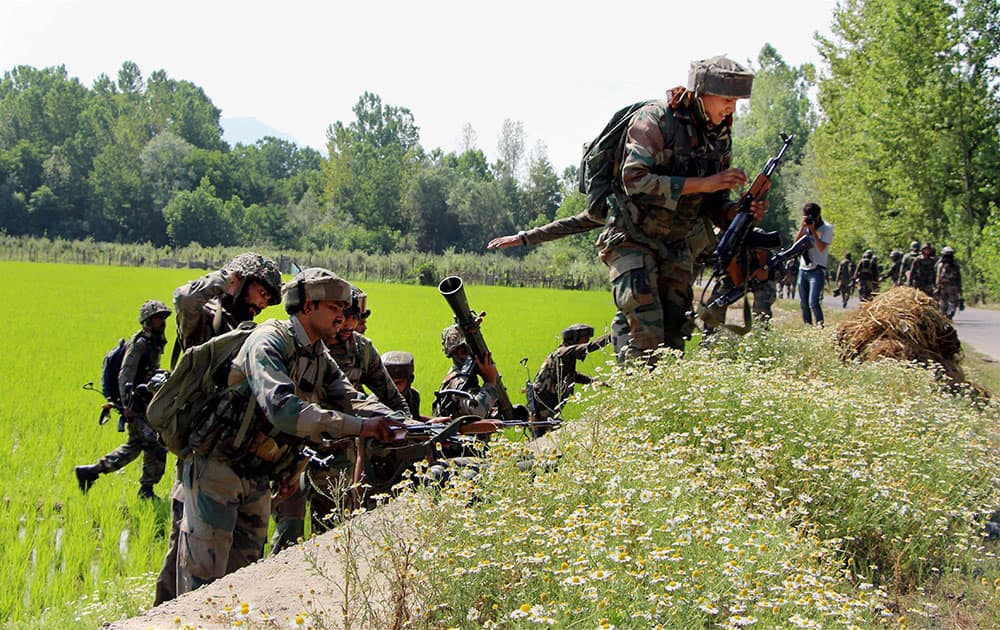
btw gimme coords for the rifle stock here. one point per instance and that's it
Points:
(454, 293)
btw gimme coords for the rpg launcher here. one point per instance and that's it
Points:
(468, 322)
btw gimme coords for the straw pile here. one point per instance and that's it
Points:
(903, 324)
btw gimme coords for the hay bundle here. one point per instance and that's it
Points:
(903, 324)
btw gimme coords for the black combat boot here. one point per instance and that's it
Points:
(146, 492)
(86, 476)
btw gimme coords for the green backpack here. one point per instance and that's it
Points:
(188, 396)
(601, 159)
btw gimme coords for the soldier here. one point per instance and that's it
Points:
(360, 361)
(949, 284)
(845, 278)
(460, 393)
(362, 366)
(866, 276)
(557, 376)
(892, 274)
(791, 276)
(399, 365)
(674, 184)
(141, 361)
(907, 263)
(922, 273)
(209, 306)
(285, 371)
(764, 296)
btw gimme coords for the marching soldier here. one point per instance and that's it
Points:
(922, 273)
(866, 276)
(949, 284)
(142, 360)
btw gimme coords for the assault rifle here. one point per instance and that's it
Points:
(107, 407)
(763, 266)
(734, 240)
(386, 464)
(468, 322)
(741, 257)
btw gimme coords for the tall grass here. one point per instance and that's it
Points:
(761, 483)
(94, 556)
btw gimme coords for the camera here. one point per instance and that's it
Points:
(810, 220)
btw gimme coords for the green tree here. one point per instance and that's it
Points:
(369, 157)
(909, 146)
(198, 216)
(541, 195)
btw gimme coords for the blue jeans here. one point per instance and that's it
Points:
(811, 294)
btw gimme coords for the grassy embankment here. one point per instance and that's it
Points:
(759, 484)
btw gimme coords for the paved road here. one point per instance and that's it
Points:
(977, 327)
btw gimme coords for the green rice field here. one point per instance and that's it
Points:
(89, 558)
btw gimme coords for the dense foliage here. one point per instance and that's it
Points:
(896, 137)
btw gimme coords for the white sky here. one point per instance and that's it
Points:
(561, 67)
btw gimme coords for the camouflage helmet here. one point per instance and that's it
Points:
(868, 254)
(398, 364)
(847, 255)
(152, 308)
(915, 246)
(359, 304)
(314, 283)
(895, 255)
(252, 266)
(928, 245)
(720, 76)
(947, 250)
(452, 339)
(576, 332)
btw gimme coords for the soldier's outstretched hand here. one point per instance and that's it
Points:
(503, 242)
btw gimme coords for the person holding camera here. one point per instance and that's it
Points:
(812, 268)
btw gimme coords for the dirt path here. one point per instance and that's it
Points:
(307, 582)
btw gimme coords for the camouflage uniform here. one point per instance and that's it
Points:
(892, 273)
(463, 376)
(141, 361)
(845, 278)
(791, 276)
(764, 296)
(362, 364)
(866, 276)
(561, 228)
(949, 283)
(907, 263)
(655, 233)
(557, 376)
(399, 365)
(227, 492)
(922, 273)
(205, 310)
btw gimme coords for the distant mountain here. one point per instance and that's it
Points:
(249, 130)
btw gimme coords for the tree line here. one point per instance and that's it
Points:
(897, 139)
